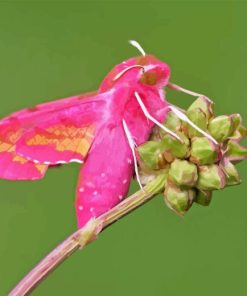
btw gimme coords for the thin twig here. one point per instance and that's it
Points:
(85, 235)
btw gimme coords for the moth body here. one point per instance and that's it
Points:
(99, 130)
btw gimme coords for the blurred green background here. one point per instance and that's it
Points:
(53, 49)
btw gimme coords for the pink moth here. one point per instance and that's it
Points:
(100, 130)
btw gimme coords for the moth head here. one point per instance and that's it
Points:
(155, 72)
(144, 69)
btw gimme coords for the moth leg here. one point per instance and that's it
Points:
(183, 117)
(186, 91)
(132, 147)
(151, 118)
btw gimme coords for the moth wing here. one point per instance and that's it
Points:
(44, 108)
(12, 165)
(105, 177)
(53, 132)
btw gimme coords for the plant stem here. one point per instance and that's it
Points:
(85, 235)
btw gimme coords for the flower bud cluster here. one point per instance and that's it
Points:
(195, 165)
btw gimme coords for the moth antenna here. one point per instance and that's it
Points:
(126, 70)
(132, 147)
(183, 117)
(138, 46)
(151, 118)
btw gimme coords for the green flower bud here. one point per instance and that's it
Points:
(235, 151)
(210, 178)
(232, 175)
(174, 148)
(243, 131)
(203, 151)
(183, 173)
(177, 199)
(204, 104)
(203, 197)
(221, 127)
(236, 120)
(149, 152)
(198, 117)
(156, 134)
(172, 122)
(147, 176)
(240, 133)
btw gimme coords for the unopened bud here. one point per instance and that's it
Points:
(239, 133)
(204, 104)
(149, 153)
(147, 176)
(231, 172)
(221, 127)
(235, 151)
(236, 120)
(243, 131)
(177, 199)
(172, 122)
(203, 151)
(183, 173)
(203, 197)
(156, 134)
(211, 177)
(198, 117)
(174, 148)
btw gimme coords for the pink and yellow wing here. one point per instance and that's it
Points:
(59, 133)
(12, 165)
(63, 138)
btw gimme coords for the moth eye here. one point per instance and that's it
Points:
(149, 78)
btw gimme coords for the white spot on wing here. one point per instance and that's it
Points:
(95, 192)
(80, 208)
(125, 181)
(120, 197)
(90, 184)
(81, 189)
(102, 174)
